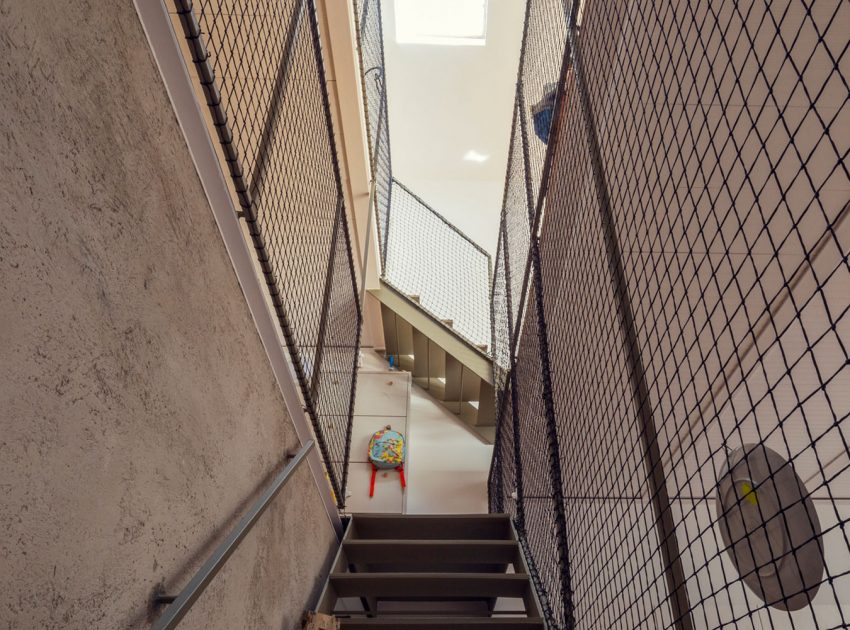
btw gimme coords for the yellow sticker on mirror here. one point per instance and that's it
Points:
(748, 494)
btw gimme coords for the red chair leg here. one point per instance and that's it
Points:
(372, 483)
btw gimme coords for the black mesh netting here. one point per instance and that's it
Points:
(431, 259)
(423, 255)
(371, 41)
(261, 70)
(680, 332)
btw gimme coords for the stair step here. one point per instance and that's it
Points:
(418, 555)
(429, 623)
(430, 586)
(432, 527)
(437, 387)
(406, 362)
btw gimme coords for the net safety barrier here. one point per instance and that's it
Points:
(671, 313)
(260, 71)
(423, 255)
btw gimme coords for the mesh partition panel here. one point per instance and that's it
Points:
(540, 487)
(260, 68)
(430, 258)
(422, 254)
(371, 41)
(516, 213)
(335, 383)
(689, 291)
(543, 47)
(500, 317)
(504, 471)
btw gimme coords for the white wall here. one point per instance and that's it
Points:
(446, 100)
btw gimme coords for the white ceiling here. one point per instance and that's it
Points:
(445, 101)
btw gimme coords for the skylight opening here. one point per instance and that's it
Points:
(441, 22)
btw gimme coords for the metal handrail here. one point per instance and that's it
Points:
(181, 604)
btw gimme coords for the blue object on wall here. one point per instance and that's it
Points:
(543, 112)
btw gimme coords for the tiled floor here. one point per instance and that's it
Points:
(382, 400)
(382, 394)
(447, 464)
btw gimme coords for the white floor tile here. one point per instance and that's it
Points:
(382, 394)
(447, 463)
(388, 497)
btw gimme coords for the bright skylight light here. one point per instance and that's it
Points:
(474, 156)
(441, 22)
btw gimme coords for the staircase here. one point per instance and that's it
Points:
(434, 571)
(453, 371)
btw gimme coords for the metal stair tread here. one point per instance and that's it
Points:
(431, 527)
(428, 623)
(455, 545)
(415, 556)
(430, 586)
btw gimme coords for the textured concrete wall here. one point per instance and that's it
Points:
(138, 412)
